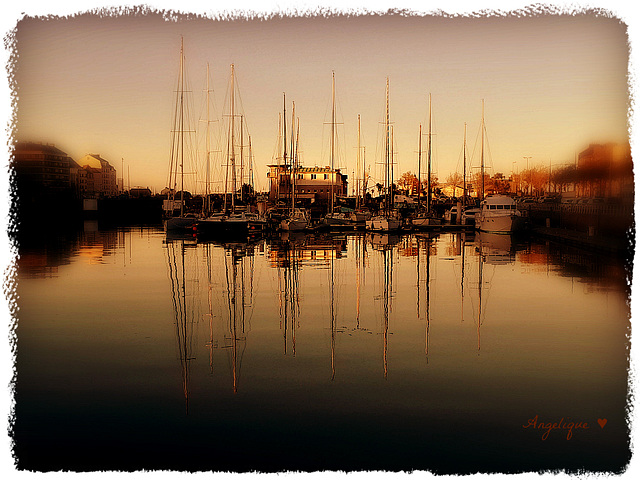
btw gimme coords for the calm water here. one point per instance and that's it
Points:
(338, 352)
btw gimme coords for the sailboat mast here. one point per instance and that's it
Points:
(241, 158)
(429, 161)
(464, 167)
(208, 146)
(358, 169)
(181, 127)
(293, 159)
(333, 124)
(233, 157)
(419, 161)
(250, 165)
(386, 150)
(284, 130)
(482, 149)
(392, 161)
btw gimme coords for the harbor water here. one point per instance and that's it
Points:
(445, 352)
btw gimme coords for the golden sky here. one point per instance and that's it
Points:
(551, 83)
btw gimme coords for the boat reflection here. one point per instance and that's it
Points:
(228, 303)
(493, 250)
(287, 261)
(180, 256)
(229, 300)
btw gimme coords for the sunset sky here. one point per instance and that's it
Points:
(551, 85)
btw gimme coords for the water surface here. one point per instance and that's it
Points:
(315, 352)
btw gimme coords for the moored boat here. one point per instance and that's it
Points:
(298, 220)
(498, 214)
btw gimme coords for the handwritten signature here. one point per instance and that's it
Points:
(548, 427)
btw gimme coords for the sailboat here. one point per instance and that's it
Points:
(498, 213)
(386, 221)
(361, 214)
(184, 221)
(468, 217)
(232, 220)
(334, 218)
(425, 218)
(298, 218)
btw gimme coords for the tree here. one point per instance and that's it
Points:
(408, 182)
(455, 181)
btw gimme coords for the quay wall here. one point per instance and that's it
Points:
(595, 220)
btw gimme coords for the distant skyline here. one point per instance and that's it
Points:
(551, 84)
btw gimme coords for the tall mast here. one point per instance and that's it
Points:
(364, 172)
(482, 150)
(181, 127)
(333, 124)
(208, 146)
(284, 127)
(419, 160)
(429, 161)
(358, 167)
(464, 167)
(284, 135)
(278, 151)
(233, 154)
(251, 165)
(392, 161)
(386, 150)
(241, 158)
(293, 159)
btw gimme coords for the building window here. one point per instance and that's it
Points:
(313, 176)
(326, 176)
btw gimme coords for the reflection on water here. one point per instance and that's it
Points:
(438, 343)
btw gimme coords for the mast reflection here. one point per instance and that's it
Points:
(184, 309)
(385, 244)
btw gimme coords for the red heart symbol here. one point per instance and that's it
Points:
(602, 422)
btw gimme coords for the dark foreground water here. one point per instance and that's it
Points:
(448, 353)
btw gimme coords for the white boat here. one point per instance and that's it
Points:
(360, 216)
(383, 223)
(469, 215)
(425, 219)
(297, 221)
(451, 215)
(498, 214)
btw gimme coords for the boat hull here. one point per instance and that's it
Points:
(497, 223)
(290, 225)
(221, 226)
(338, 220)
(383, 224)
(426, 222)
(180, 224)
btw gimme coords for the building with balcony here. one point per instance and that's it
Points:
(311, 183)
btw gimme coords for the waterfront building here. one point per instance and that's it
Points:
(311, 183)
(605, 170)
(100, 177)
(41, 165)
